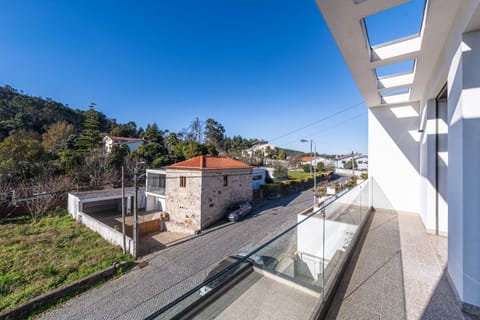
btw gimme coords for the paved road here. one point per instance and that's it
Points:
(175, 270)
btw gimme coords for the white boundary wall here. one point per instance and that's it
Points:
(111, 235)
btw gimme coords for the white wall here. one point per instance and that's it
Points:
(393, 153)
(155, 202)
(427, 166)
(111, 235)
(73, 205)
(310, 236)
(464, 169)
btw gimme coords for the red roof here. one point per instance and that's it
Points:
(305, 159)
(209, 163)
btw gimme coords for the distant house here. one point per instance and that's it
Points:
(198, 191)
(308, 160)
(266, 149)
(132, 143)
(340, 161)
(362, 162)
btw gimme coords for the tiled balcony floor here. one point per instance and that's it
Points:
(258, 297)
(397, 272)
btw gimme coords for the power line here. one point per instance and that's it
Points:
(318, 121)
(329, 128)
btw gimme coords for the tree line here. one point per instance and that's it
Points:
(42, 138)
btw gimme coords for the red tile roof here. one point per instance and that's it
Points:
(209, 163)
(305, 159)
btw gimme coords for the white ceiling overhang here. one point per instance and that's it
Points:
(345, 19)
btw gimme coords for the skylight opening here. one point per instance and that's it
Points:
(397, 23)
(395, 92)
(395, 68)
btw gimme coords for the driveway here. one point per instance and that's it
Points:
(177, 269)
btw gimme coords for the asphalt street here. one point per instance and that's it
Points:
(175, 270)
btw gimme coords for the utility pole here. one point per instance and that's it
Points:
(353, 166)
(313, 169)
(123, 210)
(135, 210)
(135, 215)
(315, 176)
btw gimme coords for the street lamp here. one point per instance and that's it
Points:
(313, 151)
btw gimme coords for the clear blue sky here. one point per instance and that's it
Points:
(261, 68)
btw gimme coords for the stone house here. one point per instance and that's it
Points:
(198, 191)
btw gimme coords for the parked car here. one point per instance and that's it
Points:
(238, 210)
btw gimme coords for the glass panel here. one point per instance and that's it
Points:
(395, 68)
(396, 23)
(156, 183)
(289, 273)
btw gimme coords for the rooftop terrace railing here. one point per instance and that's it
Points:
(306, 258)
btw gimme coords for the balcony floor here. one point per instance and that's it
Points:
(259, 297)
(397, 272)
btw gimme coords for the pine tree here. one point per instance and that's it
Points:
(90, 137)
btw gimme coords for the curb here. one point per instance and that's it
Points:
(69, 289)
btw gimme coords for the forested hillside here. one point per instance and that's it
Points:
(40, 137)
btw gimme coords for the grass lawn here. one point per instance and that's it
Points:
(300, 174)
(36, 258)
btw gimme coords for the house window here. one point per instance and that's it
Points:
(225, 181)
(183, 181)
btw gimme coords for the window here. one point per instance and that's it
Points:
(225, 181)
(259, 177)
(183, 181)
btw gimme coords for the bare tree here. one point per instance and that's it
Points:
(98, 171)
(40, 195)
(5, 191)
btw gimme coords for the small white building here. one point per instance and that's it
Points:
(258, 177)
(132, 143)
(100, 201)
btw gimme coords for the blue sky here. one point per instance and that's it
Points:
(261, 68)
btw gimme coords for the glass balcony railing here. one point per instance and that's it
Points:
(290, 275)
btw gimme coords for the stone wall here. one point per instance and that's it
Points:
(183, 204)
(216, 197)
(204, 199)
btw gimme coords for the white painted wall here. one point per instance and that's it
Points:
(111, 235)
(258, 172)
(155, 202)
(427, 166)
(393, 153)
(310, 236)
(464, 169)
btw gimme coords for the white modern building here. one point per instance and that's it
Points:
(423, 121)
